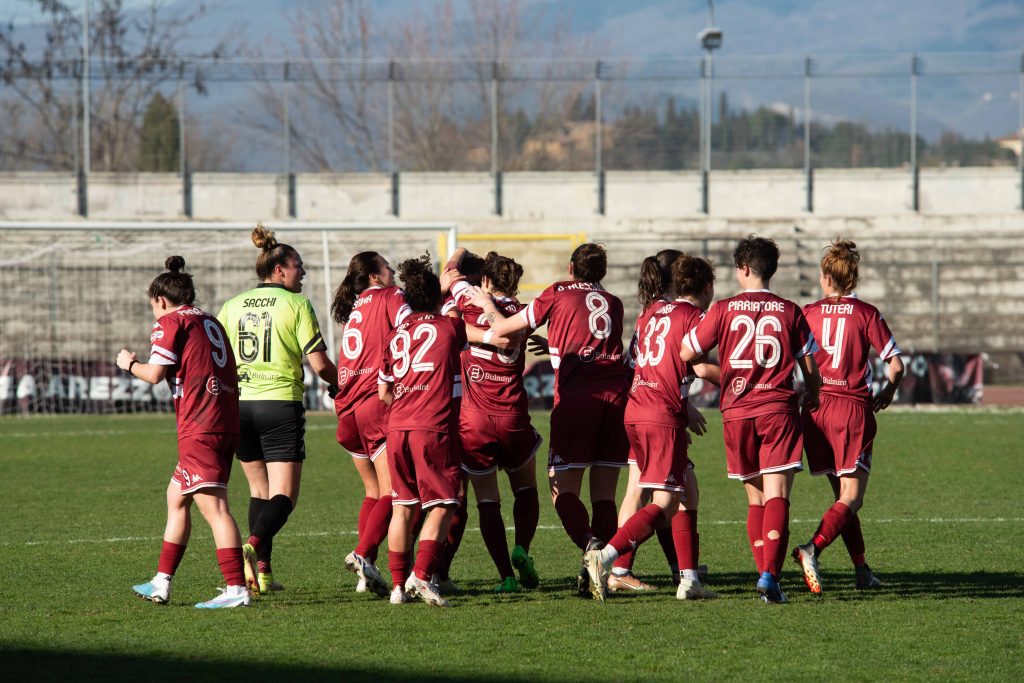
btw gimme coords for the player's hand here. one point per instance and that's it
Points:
(332, 390)
(449, 278)
(478, 297)
(697, 424)
(884, 397)
(537, 345)
(125, 358)
(811, 401)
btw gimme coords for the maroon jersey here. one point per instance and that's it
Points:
(493, 378)
(760, 336)
(661, 381)
(377, 311)
(584, 333)
(449, 306)
(201, 371)
(420, 360)
(847, 329)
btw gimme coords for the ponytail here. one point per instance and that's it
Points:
(357, 279)
(656, 275)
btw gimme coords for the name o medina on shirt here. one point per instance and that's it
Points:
(260, 302)
(756, 306)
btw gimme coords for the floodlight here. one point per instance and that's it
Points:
(710, 38)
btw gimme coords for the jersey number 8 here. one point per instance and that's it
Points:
(599, 322)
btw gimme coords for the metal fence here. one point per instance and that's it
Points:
(285, 116)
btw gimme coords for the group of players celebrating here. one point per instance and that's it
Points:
(430, 398)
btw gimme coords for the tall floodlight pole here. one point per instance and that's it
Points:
(85, 87)
(710, 39)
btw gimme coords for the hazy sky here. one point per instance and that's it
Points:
(668, 28)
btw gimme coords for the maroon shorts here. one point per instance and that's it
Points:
(587, 429)
(763, 444)
(204, 460)
(507, 441)
(660, 454)
(361, 432)
(838, 436)
(424, 468)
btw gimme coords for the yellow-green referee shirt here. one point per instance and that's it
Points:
(270, 330)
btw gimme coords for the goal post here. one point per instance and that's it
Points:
(75, 293)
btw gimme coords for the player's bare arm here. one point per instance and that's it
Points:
(323, 366)
(477, 336)
(812, 380)
(895, 372)
(385, 392)
(147, 372)
(500, 325)
(688, 354)
(707, 371)
(451, 273)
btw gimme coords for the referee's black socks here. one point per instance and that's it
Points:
(272, 517)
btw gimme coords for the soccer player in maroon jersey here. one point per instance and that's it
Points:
(761, 338)
(657, 417)
(674, 290)
(415, 379)
(190, 352)
(369, 306)
(591, 382)
(838, 435)
(495, 428)
(462, 267)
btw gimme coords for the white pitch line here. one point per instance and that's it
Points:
(121, 432)
(713, 522)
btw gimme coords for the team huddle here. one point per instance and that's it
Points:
(430, 399)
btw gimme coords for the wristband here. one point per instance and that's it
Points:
(130, 367)
(488, 335)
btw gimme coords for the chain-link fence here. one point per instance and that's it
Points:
(285, 116)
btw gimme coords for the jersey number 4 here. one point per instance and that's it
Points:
(833, 346)
(767, 348)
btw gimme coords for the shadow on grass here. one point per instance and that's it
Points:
(62, 665)
(937, 584)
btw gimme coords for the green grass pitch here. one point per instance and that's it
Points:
(82, 514)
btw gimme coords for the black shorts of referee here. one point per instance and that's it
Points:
(272, 431)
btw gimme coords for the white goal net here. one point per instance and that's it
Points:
(75, 293)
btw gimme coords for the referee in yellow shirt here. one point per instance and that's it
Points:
(271, 328)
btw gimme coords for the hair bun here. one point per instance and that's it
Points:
(174, 263)
(263, 239)
(845, 248)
